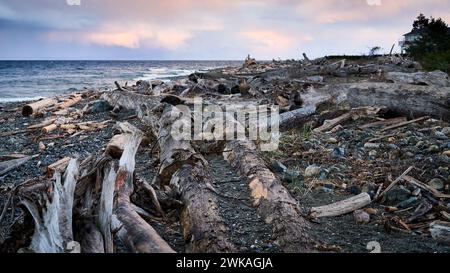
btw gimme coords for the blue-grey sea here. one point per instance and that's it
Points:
(30, 80)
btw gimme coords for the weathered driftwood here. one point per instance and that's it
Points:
(386, 122)
(353, 114)
(404, 123)
(49, 128)
(70, 102)
(203, 228)
(405, 99)
(296, 118)
(7, 166)
(42, 124)
(437, 78)
(35, 107)
(58, 166)
(53, 224)
(440, 231)
(342, 207)
(137, 234)
(116, 145)
(273, 201)
(425, 187)
(106, 209)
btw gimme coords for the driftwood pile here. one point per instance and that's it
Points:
(84, 204)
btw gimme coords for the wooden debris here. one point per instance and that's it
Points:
(425, 187)
(43, 124)
(116, 145)
(403, 124)
(342, 207)
(353, 114)
(49, 128)
(32, 108)
(384, 122)
(70, 102)
(7, 166)
(395, 182)
(58, 166)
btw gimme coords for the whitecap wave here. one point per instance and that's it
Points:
(20, 99)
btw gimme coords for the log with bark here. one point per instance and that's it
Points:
(138, 235)
(203, 228)
(404, 99)
(35, 107)
(273, 201)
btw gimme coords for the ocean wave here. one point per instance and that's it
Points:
(21, 99)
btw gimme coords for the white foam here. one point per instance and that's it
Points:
(20, 99)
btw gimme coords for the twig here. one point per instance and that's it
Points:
(403, 124)
(396, 181)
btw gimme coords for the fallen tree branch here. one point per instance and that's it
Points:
(342, 207)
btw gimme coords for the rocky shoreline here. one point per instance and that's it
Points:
(391, 142)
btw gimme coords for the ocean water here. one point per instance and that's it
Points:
(30, 80)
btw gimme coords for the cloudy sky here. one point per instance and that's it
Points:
(204, 29)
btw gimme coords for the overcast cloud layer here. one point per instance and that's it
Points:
(204, 29)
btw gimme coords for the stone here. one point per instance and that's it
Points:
(355, 190)
(312, 171)
(440, 135)
(433, 149)
(332, 140)
(337, 129)
(446, 131)
(282, 101)
(436, 184)
(41, 146)
(100, 106)
(391, 139)
(447, 153)
(338, 153)
(291, 176)
(143, 87)
(393, 147)
(373, 153)
(370, 145)
(408, 203)
(371, 211)
(397, 194)
(278, 167)
(361, 217)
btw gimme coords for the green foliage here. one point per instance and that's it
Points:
(437, 61)
(432, 50)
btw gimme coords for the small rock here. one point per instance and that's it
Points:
(393, 147)
(337, 129)
(370, 145)
(447, 153)
(397, 194)
(278, 167)
(416, 192)
(355, 190)
(312, 171)
(408, 203)
(409, 155)
(291, 176)
(391, 139)
(100, 106)
(361, 217)
(338, 153)
(436, 184)
(373, 153)
(446, 131)
(440, 135)
(325, 190)
(41, 146)
(332, 140)
(433, 149)
(371, 211)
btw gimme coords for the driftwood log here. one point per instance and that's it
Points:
(35, 107)
(273, 201)
(404, 99)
